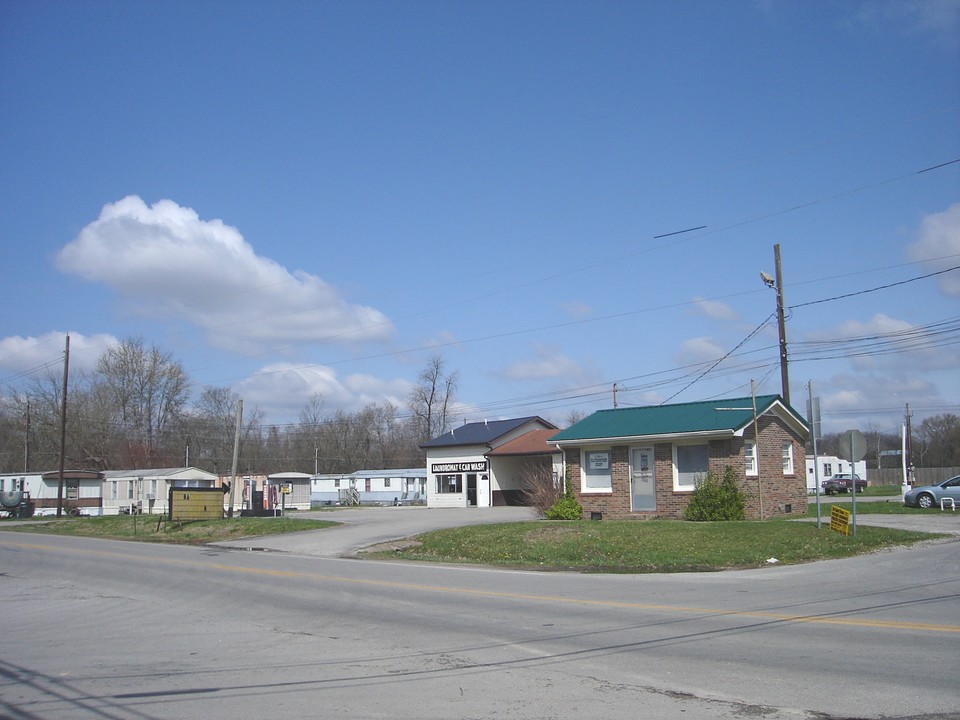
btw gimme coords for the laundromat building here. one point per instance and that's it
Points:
(464, 468)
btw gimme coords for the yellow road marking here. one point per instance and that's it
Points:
(780, 617)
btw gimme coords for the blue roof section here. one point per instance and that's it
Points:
(726, 415)
(480, 433)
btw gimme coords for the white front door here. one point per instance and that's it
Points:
(643, 481)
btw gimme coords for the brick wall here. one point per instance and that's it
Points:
(780, 492)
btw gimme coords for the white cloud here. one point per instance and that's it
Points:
(700, 349)
(549, 363)
(166, 262)
(577, 310)
(713, 309)
(935, 20)
(857, 400)
(33, 356)
(915, 350)
(283, 389)
(938, 242)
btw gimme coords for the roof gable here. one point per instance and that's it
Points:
(482, 433)
(531, 443)
(726, 416)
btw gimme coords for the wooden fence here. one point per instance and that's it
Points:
(923, 476)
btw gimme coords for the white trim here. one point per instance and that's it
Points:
(646, 439)
(595, 490)
(677, 487)
(750, 461)
(786, 452)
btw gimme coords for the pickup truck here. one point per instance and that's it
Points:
(840, 483)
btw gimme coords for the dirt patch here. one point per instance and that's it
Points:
(392, 546)
(550, 533)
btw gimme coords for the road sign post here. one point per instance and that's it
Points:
(853, 446)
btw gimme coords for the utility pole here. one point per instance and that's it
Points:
(26, 440)
(63, 427)
(756, 447)
(614, 396)
(236, 455)
(781, 327)
(776, 283)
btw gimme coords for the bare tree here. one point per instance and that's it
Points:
(431, 399)
(212, 430)
(939, 437)
(575, 416)
(541, 489)
(147, 390)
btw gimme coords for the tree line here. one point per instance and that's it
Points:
(934, 443)
(134, 411)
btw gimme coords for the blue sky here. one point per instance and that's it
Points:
(312, 198)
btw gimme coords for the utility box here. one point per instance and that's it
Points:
(195, 504)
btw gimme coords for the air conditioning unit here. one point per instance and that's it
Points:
(151, 496)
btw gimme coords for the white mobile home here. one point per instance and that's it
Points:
(146, 490)
(82, 490)
(827, 465)
(370, 487)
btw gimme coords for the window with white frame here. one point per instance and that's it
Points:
(596, 471)
(113, 490)
(750, 456)
(827, 469)
(386, 482)
(130, 489)
(690, 463)
(787, 457)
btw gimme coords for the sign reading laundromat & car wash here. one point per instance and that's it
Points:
(458, 467)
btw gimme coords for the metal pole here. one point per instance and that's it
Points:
(814, 421)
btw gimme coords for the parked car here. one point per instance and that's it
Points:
(840, 483)
(930, 495)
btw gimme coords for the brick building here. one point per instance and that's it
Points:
(644, 462)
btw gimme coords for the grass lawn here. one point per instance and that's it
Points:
(636, 547)
(145, 528)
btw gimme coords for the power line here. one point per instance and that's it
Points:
(874, 289)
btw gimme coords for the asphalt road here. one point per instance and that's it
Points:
(103, 629)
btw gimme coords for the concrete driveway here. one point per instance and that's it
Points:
(363, 527)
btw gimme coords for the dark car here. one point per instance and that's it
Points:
(931, 495)
(841, 482)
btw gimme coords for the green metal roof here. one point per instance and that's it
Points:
(719, 416)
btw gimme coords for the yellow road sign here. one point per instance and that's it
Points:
(840, 519)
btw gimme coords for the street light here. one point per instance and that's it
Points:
(777, 284)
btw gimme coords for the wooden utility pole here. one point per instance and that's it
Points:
(26, 440)
(63, 427)
(236, 455)
(782, 329)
